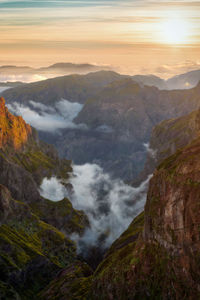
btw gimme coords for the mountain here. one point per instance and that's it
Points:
(70, 68)
(32, 249)
(184, 81)
(31, 74)
(157, 257)
(150, 80)
(167, 137)
(75, 88)
(129, 112)
(162, 262)
(114, 122)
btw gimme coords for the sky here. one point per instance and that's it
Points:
(138, 36)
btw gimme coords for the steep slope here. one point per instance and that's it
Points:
(163, 262)
(24, 162)
(14, 132)
(167, 137)
(32, 250)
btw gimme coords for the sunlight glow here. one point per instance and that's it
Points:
(175, 31)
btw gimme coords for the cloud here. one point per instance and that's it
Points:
(52, 189)
(4, 88)
(22, 77)
(48, 118)
(150, 151)
(168, 70)
(109, 203)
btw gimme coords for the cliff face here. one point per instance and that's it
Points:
(162, 260)
(169, 136)
(14, 131)
(32, 249)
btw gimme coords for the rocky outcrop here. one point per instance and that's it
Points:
(14, 131)
(62, 215)
(161, 261)
(32, 249)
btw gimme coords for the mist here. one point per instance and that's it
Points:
(150, 151)
(109, 203)
(4, 88)
(49, 118)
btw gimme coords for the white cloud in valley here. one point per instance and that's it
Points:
(109, 203)
(49, 118)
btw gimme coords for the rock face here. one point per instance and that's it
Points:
(14, 131)
(169, 136)
(160, 261)
(32, 249)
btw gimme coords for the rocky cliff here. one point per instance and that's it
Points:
(169, 136)
(161, 259)
(32, 249)
(14, 131)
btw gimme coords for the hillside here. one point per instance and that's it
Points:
(32, 249)
(158, 256)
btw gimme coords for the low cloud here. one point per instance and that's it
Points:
(150, 151)
(109, 203)
(23, 77)
(48, 118)
(53, 189)
(166, 71)
(4, 88)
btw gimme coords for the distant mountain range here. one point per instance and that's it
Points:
(30, 74)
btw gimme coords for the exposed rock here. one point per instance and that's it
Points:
(163, 261)
(169, 136)
(32, 251)
(14, 131)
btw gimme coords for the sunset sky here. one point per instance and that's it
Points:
(138, 36)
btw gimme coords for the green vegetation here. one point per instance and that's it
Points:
(27, 241)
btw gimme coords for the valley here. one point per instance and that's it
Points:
(72, 195)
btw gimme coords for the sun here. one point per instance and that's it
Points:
(175, 31)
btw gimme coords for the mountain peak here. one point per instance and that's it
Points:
(14, 131)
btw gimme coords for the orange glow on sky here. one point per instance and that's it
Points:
(134, 36)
